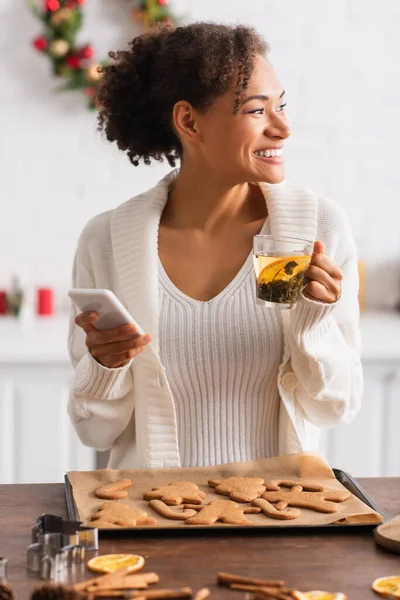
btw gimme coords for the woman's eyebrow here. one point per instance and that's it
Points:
(260, 97)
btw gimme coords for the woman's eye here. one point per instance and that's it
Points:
(256, 111)
(260, 111)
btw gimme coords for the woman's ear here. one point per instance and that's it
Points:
(185, 122)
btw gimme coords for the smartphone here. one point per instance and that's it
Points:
(110, 310)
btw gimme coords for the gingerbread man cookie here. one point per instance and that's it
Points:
(122, 515)
(114, 491)
(270, 510)
(274, 485)
(324, 501)
(100, 524)
(176, 493)
(225, 511)
(166, 511)
(240, 489)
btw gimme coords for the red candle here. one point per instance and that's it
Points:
(45, 301)
(3, 302)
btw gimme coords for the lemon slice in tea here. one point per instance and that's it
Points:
(108, 563)
(283, 269)
(388, 587)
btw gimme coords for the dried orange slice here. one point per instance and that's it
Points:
(283, 268)
(389, 587)
(319, 595)
(108, 563)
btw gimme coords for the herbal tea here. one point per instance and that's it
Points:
(280, 279)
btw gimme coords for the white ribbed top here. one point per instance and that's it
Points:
(132, 410)
(222, 359)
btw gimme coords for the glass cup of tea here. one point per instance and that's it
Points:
(280, 265)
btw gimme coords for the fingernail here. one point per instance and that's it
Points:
(146, 338)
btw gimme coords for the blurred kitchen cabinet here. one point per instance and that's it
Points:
(370, 445)
(391, 450)
(37, 442)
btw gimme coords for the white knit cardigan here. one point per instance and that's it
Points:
(130, 410)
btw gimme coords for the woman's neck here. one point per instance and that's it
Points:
(204, 201)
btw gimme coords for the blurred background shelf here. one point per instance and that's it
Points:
(35, 340)
(38, 444)
(380, 331)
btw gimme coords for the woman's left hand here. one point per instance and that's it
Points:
(325, 278)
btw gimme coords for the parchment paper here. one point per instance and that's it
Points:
(304, 466)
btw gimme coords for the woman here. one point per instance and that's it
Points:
(216, 378)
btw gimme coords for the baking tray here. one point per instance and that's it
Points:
(349, 482)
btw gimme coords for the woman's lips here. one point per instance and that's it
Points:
(274, 160)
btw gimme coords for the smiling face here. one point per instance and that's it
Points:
(242, 147)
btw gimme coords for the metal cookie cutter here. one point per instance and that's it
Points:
(3, 569)
(73, 534)
(48, 560)
(58, 544)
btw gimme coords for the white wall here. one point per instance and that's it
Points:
(338, 60)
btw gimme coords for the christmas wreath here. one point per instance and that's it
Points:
(62, 20)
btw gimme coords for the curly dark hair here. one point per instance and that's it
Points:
(196, 63)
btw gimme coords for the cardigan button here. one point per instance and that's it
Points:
(290, 381)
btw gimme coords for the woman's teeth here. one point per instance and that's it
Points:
(269, 153)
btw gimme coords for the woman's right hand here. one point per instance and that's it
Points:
(115, 347)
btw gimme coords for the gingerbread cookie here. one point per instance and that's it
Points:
(241, 489)
(176, 493)
(322, 501)
(100, 524)
(270, 510)
(274, 485)
(114, 491)
(122, 514)
(225, 511)
(165, 511)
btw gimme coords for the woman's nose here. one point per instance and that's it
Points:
(277, 126)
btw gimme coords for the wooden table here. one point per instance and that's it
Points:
(346, 562)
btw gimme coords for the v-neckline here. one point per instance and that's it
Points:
(229, 289)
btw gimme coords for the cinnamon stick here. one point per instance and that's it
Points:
(110, 578)
(245, 587)
(271, 592)
(263, 594)
(107, 594)
(229, 578)
(166, 594)
(118, 580)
